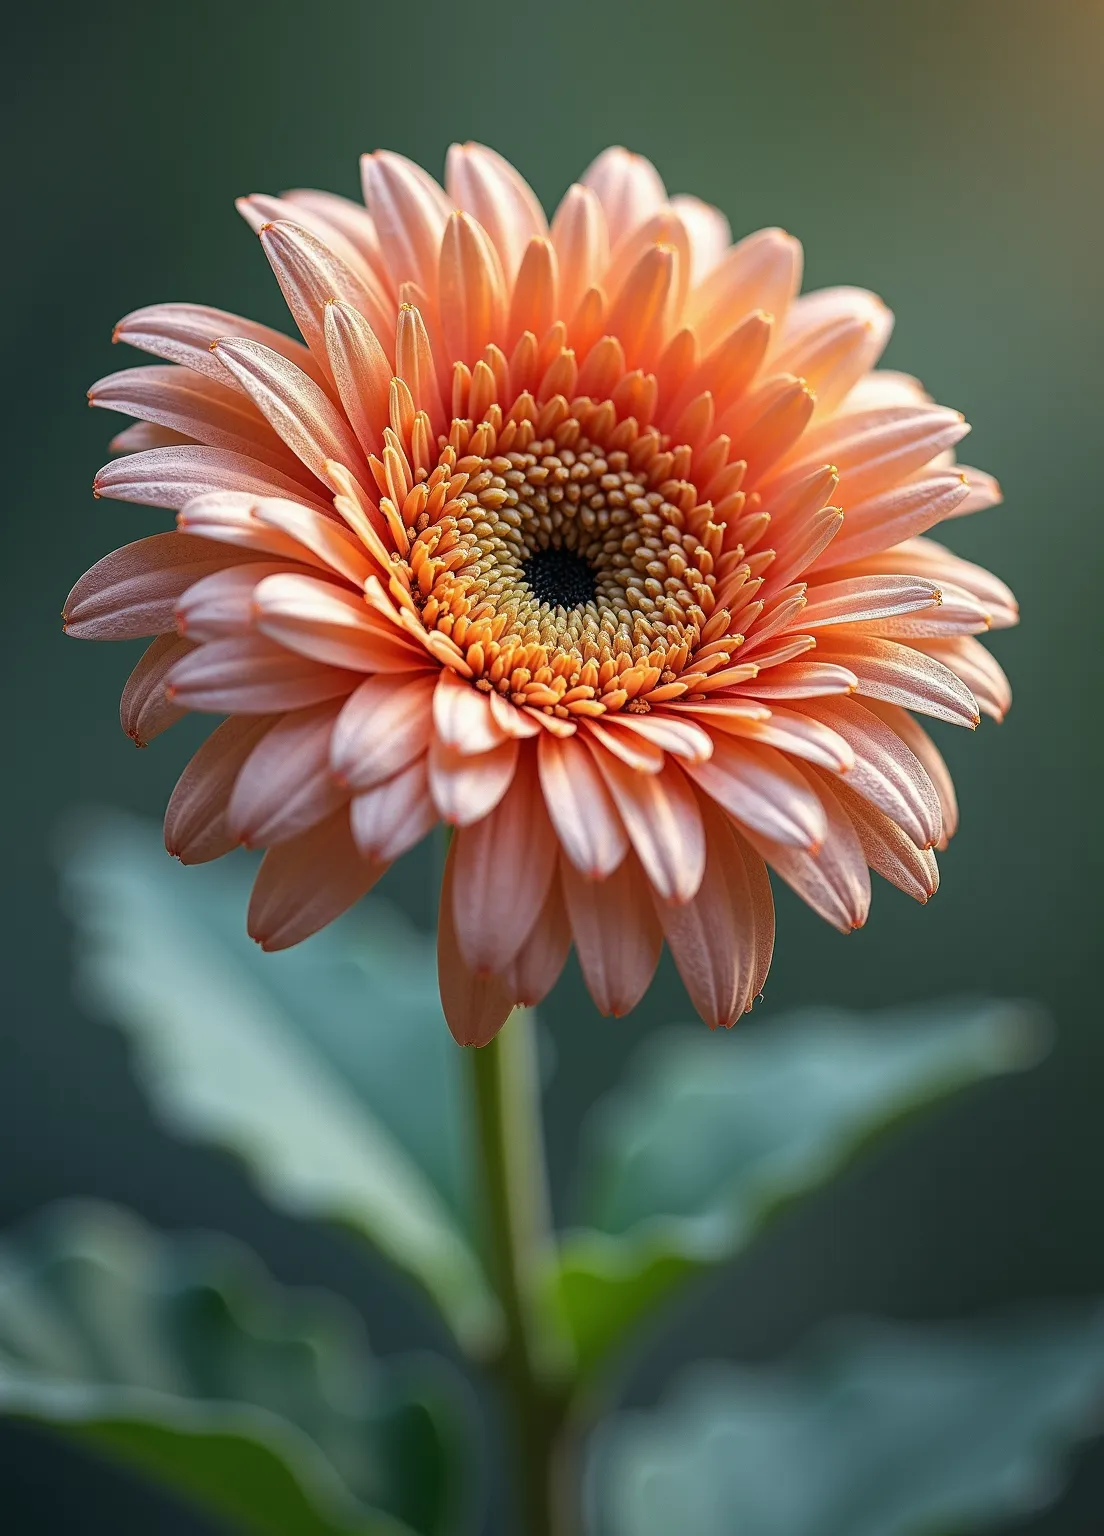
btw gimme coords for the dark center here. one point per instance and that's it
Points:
(559, 577)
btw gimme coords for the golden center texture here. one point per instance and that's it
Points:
(562, 552)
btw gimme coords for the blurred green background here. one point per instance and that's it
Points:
(947, 155)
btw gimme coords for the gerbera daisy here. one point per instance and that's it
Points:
(592, 540)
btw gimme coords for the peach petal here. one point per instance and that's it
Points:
(886, 772)
(890, 852)
(220, 605)
(834, 880)
(331, 625)
(183, 333)
(361, 371)
(762, 272)
(466, 788)
(582, 810)
(171, 477)
(252, 676)
(133, 591)
(580, 239)
(661, 816)
(410, 211)
(628, 187)
(898, 674)
(286, 785)
(763, 791)
(497, 894)
(311, 276)
(196, 828)
(384, 726)
(855, 598)
(300, 412)
(197, 407)
(617, 934)
(709, 232)
(476, 1006)
(462, 716)
(536, 967)
(485, 185)
(305, 883)
(920, 744)
(391, 817)
(472, 290)
(145, 709)
(712, 936)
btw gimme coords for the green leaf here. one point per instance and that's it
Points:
(875, 1431)
(329, 1068)
(713, 1135)
(184, 1359)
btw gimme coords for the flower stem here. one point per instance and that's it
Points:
(532, 1366)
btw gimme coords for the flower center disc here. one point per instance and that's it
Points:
(565, 554)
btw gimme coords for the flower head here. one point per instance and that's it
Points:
(593, 540)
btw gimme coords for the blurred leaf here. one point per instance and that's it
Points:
(876, 1431)
(713, 1135)
(328, 1068)
(183, 1358)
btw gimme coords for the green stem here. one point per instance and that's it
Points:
(532, 1366)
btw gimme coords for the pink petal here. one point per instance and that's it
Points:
(384, 726)
(476, 1006)
(259, 209)
(886, 771)
(580, 239)
(409, 211)
(361, 370)
(672, 733)
(972, 664)
(220, 606)
(899, 674)
(472, 290)
(920, 744)
(795, 733)
(536, 967)
(628, 187)
(145, 709)
(876, 449)
(802, 680)
(466, 788)
(253, 676)
(462, 716)
(854, 598)
(133, 591)
(300, 412)
(331, 625)
(895, 514)
(171, 477)
(580, 805)
(488, 187)
(660, 813)
(392, 817)
(311, 276)
(982, 491)
(183, 333)
(833, 337)
(763, 791)
(497, 891)
(888, 850)
(304, 884)
(712, 936)
(194, 405)
(617, 934)
(833, 880)
(328, 212)
(196, 829)
(253, 524)
(286, 785)
(762, 272)
(709, 231)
